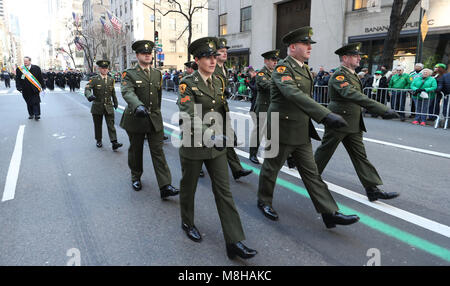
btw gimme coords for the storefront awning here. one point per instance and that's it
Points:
(239, 51)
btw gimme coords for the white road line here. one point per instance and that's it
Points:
(121, 107)
(242, 108)
(171, 100)
(383, 207)
(404, 147)
(14, 167)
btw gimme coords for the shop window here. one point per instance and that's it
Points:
(359, 4)
(223, 25)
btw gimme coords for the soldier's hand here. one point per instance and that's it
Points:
(220, 142)
(91, 98)
(141, 111)
(390, 114)
(334, 120)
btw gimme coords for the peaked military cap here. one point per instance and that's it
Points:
(188, 64)
(275, 54)
(143, 47)
(222, 43)
(300, 35)
(103, 63)
(349, 49)
(204, 47)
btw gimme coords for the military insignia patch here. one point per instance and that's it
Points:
(124, 74)
(185, 99)
(286, 78)
(344, 84)
(281, 69)
(182, 88)
(340, 78)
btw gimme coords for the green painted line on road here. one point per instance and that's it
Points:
(375, 224)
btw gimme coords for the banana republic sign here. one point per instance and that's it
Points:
(385, 28)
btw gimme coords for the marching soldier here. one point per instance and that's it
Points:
(51, 79)
(206, 90)
(346, 99)
(100, 91)
(291, 98)
(190, 68)
(263, 80)
(142, 90)
(220, 71)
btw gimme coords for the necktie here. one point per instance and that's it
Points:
(209, 82)
(147, 72)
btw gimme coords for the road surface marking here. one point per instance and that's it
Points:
(383, 207)
(171, 100)
(404, 147)
(14, 167)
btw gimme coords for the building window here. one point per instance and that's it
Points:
(126, 7)
(132, 26)
(120, 10)
(131, 5)
(359, 4)
(172, 24)
(173, 46)
(223, 25)
(246, 19)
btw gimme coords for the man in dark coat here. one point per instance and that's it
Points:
(51, 79)
(30, 83)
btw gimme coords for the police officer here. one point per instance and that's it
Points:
(206, 90)
(142, 90)
(100, 91)
(263, 80)
(291, 98)
(6, 76)
(347, 99)
(220, 71)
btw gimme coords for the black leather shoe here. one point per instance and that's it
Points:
(373, 194)
(254, 159)
(37, 117)
(165, 138)
(331, 220)
(116, 145)
(202, 174)
(242, 173)
(99, 144)
(31, 117)
(192, 232)
(268, 211)
(137, 186)
(239, 249)
(168, 191)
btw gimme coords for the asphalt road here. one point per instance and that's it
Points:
(72, 195)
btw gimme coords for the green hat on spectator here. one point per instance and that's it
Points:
(440, 65)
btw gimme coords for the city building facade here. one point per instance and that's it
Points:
(254, 27)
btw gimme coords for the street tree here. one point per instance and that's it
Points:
(399, 16)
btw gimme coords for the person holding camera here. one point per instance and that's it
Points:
(424, 88)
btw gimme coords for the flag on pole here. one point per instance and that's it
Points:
(76, 18)
(106, 27)
(424, 27)
(77, 43)
(115, 22)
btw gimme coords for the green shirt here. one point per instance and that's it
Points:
(399, 81)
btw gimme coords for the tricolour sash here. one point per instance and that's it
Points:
(30, 77)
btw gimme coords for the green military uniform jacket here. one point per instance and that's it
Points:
(263, 82)
(194, 91)
(224, 76)
(140, 89)
(347, 98)
(105, 94)
(291, 97)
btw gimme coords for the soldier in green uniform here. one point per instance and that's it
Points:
(291, 100)
(347, 99)
(263, 80)
(100, 91)
(202, 96)
(142, 90)
(220, 71)
(190, 67)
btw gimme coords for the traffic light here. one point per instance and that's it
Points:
(156, 36)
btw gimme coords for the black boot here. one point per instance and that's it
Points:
(99, 144)
(168, 191)
(116, 145)
(202, 174)
(239, 249)
(331, 220)
(253, 158)
(137, 186)
(373, 194)
(242, 173)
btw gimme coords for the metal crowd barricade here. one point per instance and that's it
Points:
(446, 110)
(233, 89)
(401, 100)
(320, 94)
(168, 85)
